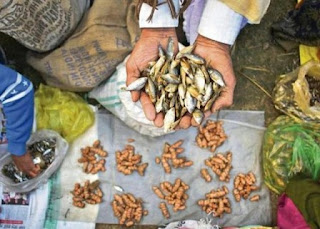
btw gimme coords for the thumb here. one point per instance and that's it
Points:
(224, 100)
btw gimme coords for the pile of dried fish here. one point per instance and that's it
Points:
(43, 154)
(180, 84)
(314, 89)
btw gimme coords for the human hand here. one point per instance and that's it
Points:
(218, 57)
(25, 164)
(146, 50)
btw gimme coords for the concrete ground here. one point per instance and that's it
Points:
(255, 54)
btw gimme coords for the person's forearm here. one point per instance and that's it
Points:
(220, 23)
(17, 98)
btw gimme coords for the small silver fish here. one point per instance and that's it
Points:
(170, 48)
(209, 103)
(152, 91)
(159, 103)
(208, 93)
(171, 88)
(137, 84)
(198, 116)
(170, 78)
(118, 188)
(194, 58)
(157, 67)
(181, 91)
(187, 68)
(205, 73)
(183, 112)
(183, 76)
(190, 102)
(216, 76)
(185, 50)
(169, 119)
(199, 80)
(195, 93)
(161, 51)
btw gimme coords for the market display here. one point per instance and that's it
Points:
(170, 158)
(220, 165)
(92, 158)
(174, 194)
(216, 202)
(43, 154)
(244, 185)
(128, 209)
(128, 161)
(89, 193)
(211, 135)
(179, 84)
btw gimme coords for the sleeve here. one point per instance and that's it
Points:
(161, 17)
(17, 98)
(220, 23)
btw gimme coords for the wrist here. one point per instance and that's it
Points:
(201, 40)
(158, 32)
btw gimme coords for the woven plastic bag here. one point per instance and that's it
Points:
(61, 111)
(292, 96)
(290, 148)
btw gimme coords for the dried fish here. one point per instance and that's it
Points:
(42, 153)
(216, 76)
(137, 84)
(169, 119)
(198, 116)
(180, 84)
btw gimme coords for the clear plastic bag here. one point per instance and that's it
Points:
(290, 148)
(26, 186)
(62, 111)
(292, 96)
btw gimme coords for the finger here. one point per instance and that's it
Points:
(147, 106)
(207, 114)
(32, 174)
(194, 123)
(224, 100)
(158, 122)
(132, 75)
(185, 122)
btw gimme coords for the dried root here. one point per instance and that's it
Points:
(205, 175)
(211, 135)
(244, 185)
(90, 193)
(216, 202)
(128, 209)
(164, 210)
(170, 157)
(220, 165)
(90, 162)
(128, 161)
(175, 195)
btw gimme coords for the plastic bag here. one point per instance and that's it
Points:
(290, 148)
(63, 112)
(292, 96)
(26, 186)
(119, 103)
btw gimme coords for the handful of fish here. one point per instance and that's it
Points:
(43, 154)
(179, 84)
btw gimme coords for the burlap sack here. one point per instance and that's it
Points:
(105, 36)
(41, 25)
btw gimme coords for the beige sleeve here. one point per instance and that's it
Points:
(253, 10)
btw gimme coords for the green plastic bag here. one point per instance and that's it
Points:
(290, 148)
(61, 111)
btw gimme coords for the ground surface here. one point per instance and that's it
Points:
(254, 48)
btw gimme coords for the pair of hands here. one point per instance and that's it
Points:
(146, 50)
(25, 164)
